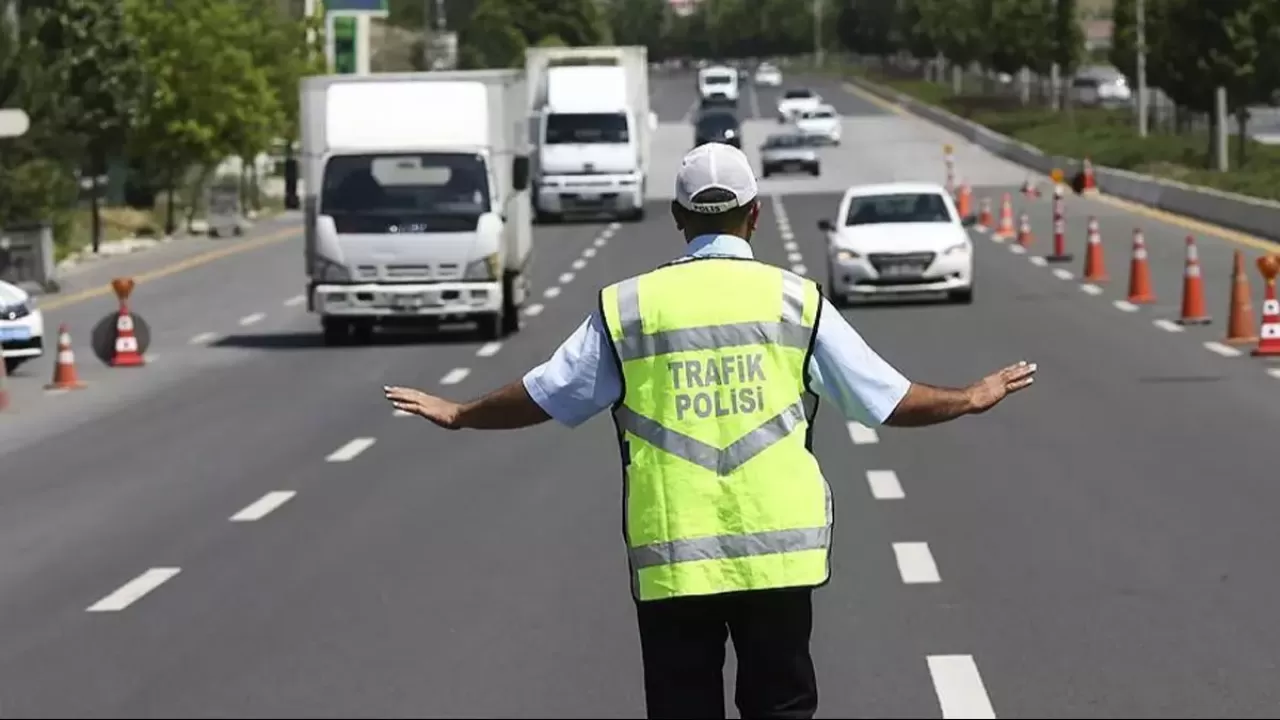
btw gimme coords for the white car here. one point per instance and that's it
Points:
(21, 326)
(822, 124)
(718, 85)
(768, 76)
(796, 101)
(896, 239)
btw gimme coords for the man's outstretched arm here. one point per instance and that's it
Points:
(930, 405)
(507, 408)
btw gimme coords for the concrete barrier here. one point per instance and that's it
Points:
(1255, 216)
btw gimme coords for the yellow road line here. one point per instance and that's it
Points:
(180, 266)
(1182, 221)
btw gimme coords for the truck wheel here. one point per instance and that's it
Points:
(336, 332)
(362, 332)
(491, 325)
(510, 312)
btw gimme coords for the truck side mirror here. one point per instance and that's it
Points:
(520, 172)
(825, 226)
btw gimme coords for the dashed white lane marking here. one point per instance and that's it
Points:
(915, 563)
(884, 485)
(203, 338)
(1125, 306)
(589, 252)
(533, 310)
(134, 590)
(1017, 249)
(348, 452)
(613, 227)
(489, 349)
(552, 291)
(1167, 325)
(799, 269)
(862, 434)
(790, 246)
(455, 376)
(251, 319)
(1274, 372)
(1091, 289)
(794, 257)
(1038, 261)
(295, 300)
(579, 264)
(959, 687)
(600, 241)
(1223, 350)
(263, 506)
(1062, 274)
(566, 278)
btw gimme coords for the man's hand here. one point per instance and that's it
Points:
(438, 410)
(984, 394)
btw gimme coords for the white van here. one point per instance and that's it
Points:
(718, 85)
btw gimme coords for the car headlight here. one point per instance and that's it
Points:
(329, 271)
(846, 255)
(957, 249)
(486, 268)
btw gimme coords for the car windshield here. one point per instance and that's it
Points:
(817, 115)
(797, 95)
(897, 208)
(563, 128)
(787, 141)
(424, 192)
(718, 79)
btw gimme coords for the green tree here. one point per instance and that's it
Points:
(955, 27)
(1019, 29)
(1124, 38)
(1066, 38)
(491, 38)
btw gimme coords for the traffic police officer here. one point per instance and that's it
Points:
(713, 365)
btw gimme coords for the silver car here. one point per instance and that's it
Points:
(791, 152)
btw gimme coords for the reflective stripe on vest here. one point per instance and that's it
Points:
(785, 551)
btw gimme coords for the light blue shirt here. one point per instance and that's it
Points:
(581, 378)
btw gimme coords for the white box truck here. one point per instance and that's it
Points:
(591, 128)
(416, 204)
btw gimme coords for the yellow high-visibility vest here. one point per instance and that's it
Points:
(722, 492)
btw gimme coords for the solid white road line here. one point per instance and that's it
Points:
(203, 338)
(489, 349)
(915, 563)
(134, 590)
(552, 291)
(1223, 350)
(1091, 289)
(862, 434)
(1125, 306)
(1167, 325)
(251, 319)
(1062, 274)
(959, 687)
(533, 310)
(295, 300)
(566, 278)
(263, 506)
(348, 452)
(884, 485)
(579, 264)
(455, 376)
(1038, 261)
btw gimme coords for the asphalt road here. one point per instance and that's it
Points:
(1097, 546)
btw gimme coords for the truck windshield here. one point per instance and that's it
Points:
(415, 192)
(565, 128)
(717, 79)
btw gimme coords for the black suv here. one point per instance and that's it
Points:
(718, 126)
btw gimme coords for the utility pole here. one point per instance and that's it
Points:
(1142, 68)
(817, 32)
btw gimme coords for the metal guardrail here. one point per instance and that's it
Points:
(1255, 216)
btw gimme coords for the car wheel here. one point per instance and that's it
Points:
(816, 171)
(963, 297)
(13, 363)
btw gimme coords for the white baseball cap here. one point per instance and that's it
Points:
(715, 166)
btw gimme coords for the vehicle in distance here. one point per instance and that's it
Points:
(21, 326)
(718, 85)
(897, 239)
(821, 124)
(717, 126)
(789, 152)
(768, 75)
(795, 101)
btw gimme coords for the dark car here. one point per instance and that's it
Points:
(721, 127)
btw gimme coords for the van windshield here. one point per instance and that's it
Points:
(409, 192)
(564, 128)
(717, 79)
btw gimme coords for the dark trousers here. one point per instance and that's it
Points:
(683, 646)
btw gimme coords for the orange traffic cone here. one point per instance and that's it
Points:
(1240, 327)
(1095, 266)
(984, 219)
(964, 203)
(127, 354)
(1140, 272)
(1090, 182)
(1025, 238)
(1193, 309)
(1006, 229)
(64, 370)
(1269, 266)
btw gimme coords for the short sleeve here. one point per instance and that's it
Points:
(580, 379)
(847, 372)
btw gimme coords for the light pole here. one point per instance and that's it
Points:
(1142, 68)
(817, 32)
